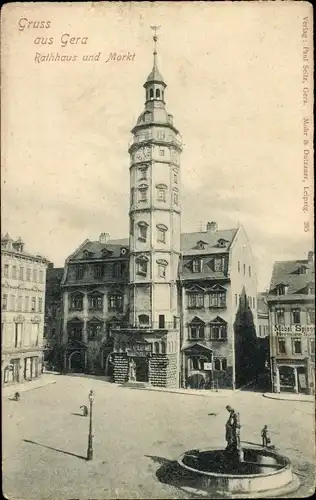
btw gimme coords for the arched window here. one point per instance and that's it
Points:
(156, 347)
(151, 93)
(163, 348)
(157, 93)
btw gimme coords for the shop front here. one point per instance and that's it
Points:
(198, 367)
(290, 377)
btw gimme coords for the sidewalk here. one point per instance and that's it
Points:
(222, 393)
(304, 398)
(27, 386)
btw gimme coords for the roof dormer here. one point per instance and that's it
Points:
(282, 288)
(222, 243)
(201, 245)
(302, 269)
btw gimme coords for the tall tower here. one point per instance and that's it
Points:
(155, 211)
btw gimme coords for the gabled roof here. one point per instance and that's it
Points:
(112, 248)
(286, 272)
(210, 238)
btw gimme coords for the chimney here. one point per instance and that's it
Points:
(104, 238)
(310, 257)
(211, 226)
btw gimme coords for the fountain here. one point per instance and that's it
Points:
(237, 471)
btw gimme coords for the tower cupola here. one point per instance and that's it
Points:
(155, 85)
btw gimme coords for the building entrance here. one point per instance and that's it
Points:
(142, 374)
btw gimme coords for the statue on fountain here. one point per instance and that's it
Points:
(233, 447)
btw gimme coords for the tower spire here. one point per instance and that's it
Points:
(154, 75)
(155, 39)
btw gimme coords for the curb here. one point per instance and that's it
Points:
(25, 389)
(281, 398)
(207, 395)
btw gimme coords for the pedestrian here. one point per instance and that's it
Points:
(266, 440)
(84, 410)
(17, 396)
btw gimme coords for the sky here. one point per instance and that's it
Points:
(234, 76)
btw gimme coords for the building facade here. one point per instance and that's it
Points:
(291, 303)
(218, 286)
(263, 315)
(53, 317)
(163, 308)
(22, 318)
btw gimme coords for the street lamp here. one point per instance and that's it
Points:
(90, 449)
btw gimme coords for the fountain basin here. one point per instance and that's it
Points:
(263, 472)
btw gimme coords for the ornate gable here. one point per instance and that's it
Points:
(217, 288)
(197, 321)
(195, 289)
(218, 321)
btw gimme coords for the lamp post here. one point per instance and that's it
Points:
(90, 448)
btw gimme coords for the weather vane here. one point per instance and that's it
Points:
(155, 29)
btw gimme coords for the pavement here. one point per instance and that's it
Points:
(138, 434)
(285, 396)
(9, 391)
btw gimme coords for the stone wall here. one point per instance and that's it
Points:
(172, 370)
(120, 374)
(158, 370)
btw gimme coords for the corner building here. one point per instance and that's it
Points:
(22, 312)
(291, 303)
(151, 339)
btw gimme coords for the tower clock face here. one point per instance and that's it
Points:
(143, 154)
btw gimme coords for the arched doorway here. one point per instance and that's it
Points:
(76, 362)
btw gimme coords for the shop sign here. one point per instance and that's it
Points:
(208, 366)
(294, 330)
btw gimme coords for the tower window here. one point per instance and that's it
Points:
(175, 176)
(161, 192)
(161, 152)
(132, 195)
(142, 231)
(142, 173)
(161, 134)
(175, 197)
(143, 193)
(157, 93)
(142, 266)
(161, 233)
(151, 93)
(162, 265)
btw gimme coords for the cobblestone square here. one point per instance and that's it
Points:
(136, 432)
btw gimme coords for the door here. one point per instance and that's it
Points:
(141, 369)
(302, 379)
(15, 369)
